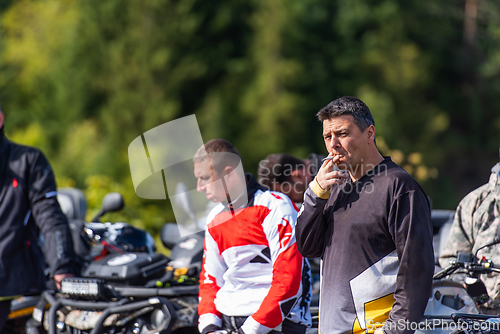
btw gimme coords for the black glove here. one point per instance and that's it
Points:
(212, 328)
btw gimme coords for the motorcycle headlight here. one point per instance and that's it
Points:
(160, 318)
(81, 287)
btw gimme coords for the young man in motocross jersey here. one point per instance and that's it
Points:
(253, 278)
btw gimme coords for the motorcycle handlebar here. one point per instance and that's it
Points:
(471, 267)
(447, 271)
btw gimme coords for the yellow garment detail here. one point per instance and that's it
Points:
(320, 192)
(376, 313)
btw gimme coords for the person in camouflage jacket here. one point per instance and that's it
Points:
(475, 224)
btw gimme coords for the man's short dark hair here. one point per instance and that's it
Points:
(278, 168)
(218, 161)
(348, 105)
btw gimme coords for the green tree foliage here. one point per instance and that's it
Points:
(82, 79)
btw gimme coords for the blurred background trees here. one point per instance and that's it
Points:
(82, 79)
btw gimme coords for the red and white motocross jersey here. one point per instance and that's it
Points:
(251, 265)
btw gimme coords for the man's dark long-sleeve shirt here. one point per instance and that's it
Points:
(375, 239)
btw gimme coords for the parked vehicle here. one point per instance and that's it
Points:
(124, 288)
(450, 298)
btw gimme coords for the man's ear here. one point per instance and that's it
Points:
(2, 117)
(370, 132)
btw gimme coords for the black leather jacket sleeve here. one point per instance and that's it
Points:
(47, 214)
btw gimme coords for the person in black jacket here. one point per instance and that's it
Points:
(28, 206)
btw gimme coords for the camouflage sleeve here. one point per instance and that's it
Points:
(461, 237)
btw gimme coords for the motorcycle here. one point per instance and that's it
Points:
(124, 288)
(451, 300)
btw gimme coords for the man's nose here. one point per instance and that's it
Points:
(334, 142)
(199, 186)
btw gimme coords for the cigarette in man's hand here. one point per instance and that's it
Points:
(327, 158)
